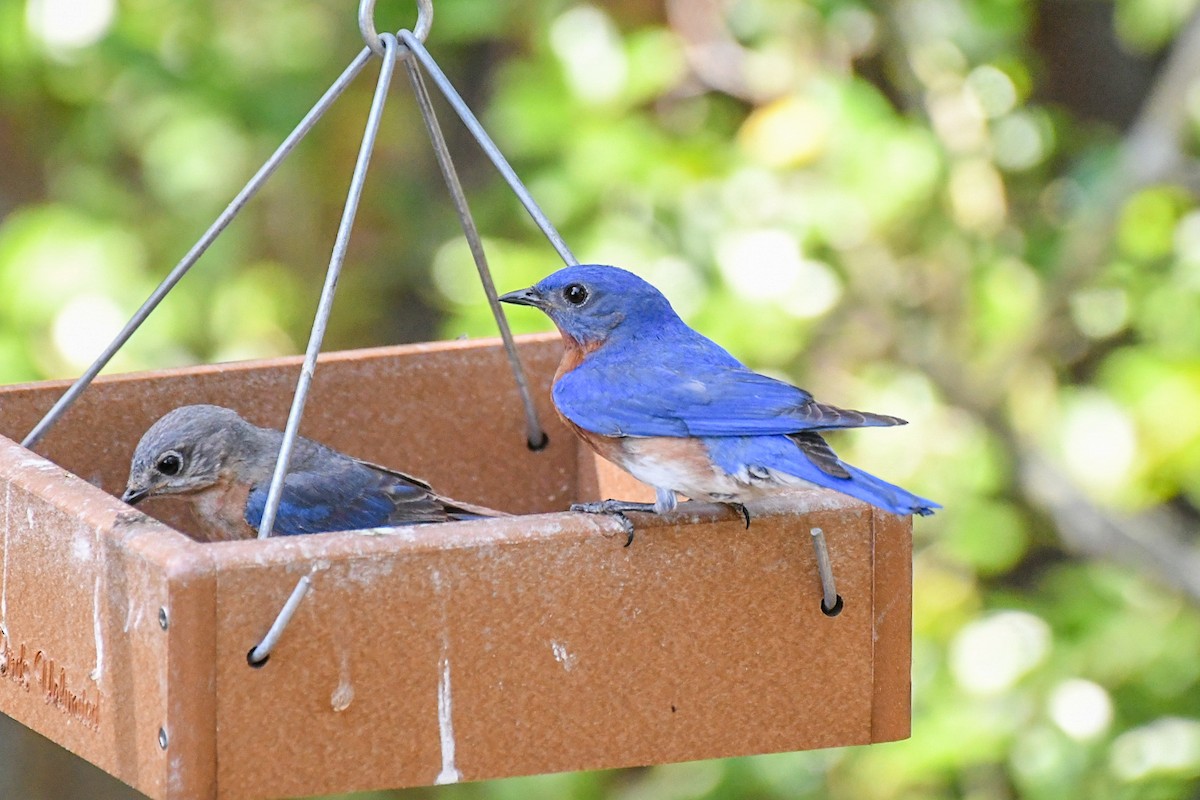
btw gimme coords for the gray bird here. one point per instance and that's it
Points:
(222, 464)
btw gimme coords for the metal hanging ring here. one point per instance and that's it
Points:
(366, 23)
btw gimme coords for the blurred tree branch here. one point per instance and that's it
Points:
(1157, 541)
(1151, 152)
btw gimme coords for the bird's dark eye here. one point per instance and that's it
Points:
(169, 464)
(576, 294)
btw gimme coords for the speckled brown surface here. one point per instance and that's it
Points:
(463, 651)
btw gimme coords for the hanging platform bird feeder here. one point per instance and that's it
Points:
(302, 665)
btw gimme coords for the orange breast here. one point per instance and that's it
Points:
(690, 454)
(221, 510)
(574, 352)
(609, 447)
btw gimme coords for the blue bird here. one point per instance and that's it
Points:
(222, 464)
(678, 412)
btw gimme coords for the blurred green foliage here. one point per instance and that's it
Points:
(980, 215)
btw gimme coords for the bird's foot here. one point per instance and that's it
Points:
(741, 509)
(616, 509)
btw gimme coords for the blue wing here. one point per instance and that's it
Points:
(689, 386)
(348, 495)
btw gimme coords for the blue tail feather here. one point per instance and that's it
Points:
(781, 454)
(878, 492)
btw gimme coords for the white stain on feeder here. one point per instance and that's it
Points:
(40, 464)
(133, 616)
(449, 773)
(97, 630)
(4, 578)
(343, 693)
(562, 655)
(176, 773)
(81, 546)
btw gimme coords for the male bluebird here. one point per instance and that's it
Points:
(222, 465)
(680, 413)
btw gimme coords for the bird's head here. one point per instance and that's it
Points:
(182, 453)
(590, 302)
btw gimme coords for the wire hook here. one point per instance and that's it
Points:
(325, 305)
(535, 436)
(831, 601)
(366, 23)
(259, 654)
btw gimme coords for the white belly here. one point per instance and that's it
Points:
(683, 466)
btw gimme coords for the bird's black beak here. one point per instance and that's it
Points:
(134, 496)
(525, 297)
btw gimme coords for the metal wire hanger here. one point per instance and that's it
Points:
(408, 46)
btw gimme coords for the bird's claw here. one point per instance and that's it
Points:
(626, 526)
(615, 509)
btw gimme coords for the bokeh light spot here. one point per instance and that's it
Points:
(993, 89)
(83, 325)
(589, 47)
(787, 133)
(991, 654)
(1098, 441)
(1101, 312)
(66, 25)
(1081, 708)
(977, 196)
(767, 266)
(1019, 142)
(1169, 744)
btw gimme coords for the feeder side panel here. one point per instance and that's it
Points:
(892, 714)
(84, 657)
(541, 644)
(448, 412)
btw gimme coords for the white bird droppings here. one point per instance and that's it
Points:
(562, 655)
(449, 773)
(343, 693)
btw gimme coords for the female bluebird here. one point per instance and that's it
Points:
(222, 465)
(680, 413)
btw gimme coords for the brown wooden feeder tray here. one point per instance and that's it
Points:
(464, 651)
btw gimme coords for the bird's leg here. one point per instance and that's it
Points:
(617, 509)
